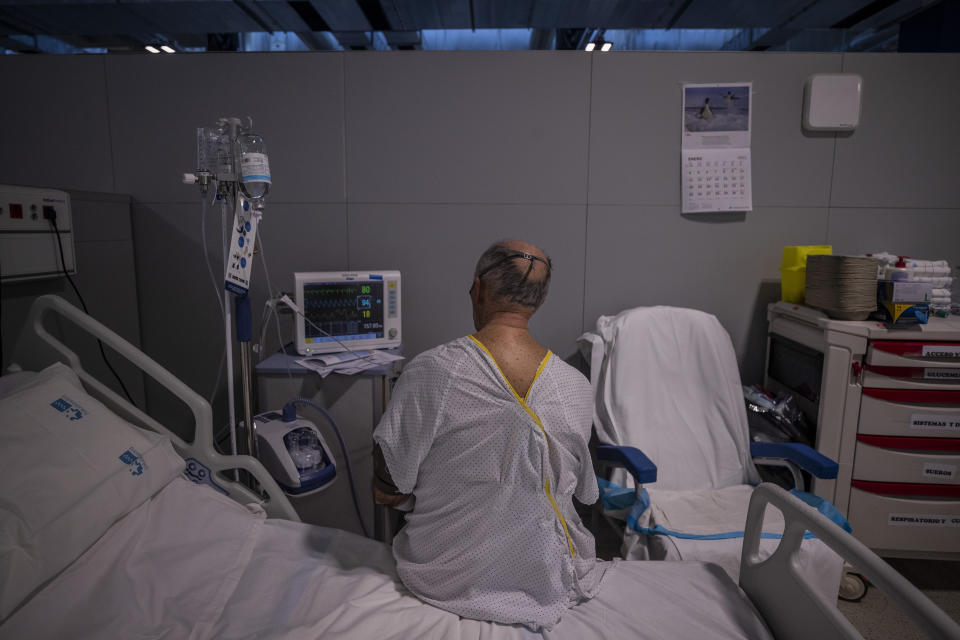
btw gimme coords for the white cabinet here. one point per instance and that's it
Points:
(886, 404)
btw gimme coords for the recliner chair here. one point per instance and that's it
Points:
(667, 382)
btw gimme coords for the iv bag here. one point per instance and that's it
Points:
(254, 166)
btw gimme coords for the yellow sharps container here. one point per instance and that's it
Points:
(793, 270)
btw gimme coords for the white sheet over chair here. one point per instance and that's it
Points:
(669, 385)
(190, 563)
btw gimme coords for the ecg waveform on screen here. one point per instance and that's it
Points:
(344, 310)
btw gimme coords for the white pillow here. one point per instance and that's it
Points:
(69, 468)
(14, 380)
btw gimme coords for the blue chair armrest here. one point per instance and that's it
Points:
(803, 456)
(639, 465)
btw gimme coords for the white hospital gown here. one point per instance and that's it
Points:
(486, 539)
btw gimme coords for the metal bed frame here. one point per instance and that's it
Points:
(789, 606)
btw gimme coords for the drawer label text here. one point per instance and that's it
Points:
(940, 471)
(941, 351)
(934, 421)
(941, 373)
(922, 520)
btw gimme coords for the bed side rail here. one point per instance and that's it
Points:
(38, 348)
(791, 608)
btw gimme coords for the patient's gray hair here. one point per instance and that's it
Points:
(513, 278)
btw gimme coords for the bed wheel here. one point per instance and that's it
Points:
(852, 587)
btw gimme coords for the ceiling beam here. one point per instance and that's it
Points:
(317, 41)
(376, 16)
(863, 13)
(404, 40)
(568, 39)
(875, 40)
(542, 39)
(682, 6)
(309, 15)
(771, 37)
(256, 13)
(743, 40)
(355, 40)
(13, 44)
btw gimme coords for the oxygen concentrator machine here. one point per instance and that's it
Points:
(294, 453)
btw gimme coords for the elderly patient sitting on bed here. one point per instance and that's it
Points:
(488, 434)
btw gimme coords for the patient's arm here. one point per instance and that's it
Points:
(384, 490)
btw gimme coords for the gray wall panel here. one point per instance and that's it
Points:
(442, 153)
(903, 154)
(724, 264)
(919, 233)
(635, 125)
(295, 100)
(436, 247)
(182, 326)
(105, 217)
(106, 278)
(55, 123)
(467, 127)
(106, 281)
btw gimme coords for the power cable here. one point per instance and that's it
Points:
(63, 263)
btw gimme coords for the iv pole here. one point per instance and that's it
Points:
(220, 145)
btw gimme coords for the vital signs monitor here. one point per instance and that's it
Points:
(347, 310)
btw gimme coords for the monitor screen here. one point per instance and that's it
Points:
(347, 310)
(354, 310)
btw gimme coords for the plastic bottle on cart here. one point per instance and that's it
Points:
(254, 166)
(899, 270)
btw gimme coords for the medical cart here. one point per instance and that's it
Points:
(886, 404)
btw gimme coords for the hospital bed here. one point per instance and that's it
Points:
(105, 532)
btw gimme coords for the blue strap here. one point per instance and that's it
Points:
(642, 504)
(613, 496)
(659, 530)
(818, 503)
(824, 507)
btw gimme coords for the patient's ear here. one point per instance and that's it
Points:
(478, 291)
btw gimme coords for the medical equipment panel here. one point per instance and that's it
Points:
(295, 453)
(29, 247)
(344, 311)
(356, 403)
(888, 410)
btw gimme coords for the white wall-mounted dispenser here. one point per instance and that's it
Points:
(831, 102)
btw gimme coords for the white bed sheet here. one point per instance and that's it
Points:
(190, 563)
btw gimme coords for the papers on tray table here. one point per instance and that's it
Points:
(348, 363)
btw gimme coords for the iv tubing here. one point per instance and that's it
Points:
(276, 314)
(216, 289)
(228, 338)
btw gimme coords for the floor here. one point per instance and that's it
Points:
(875, 617)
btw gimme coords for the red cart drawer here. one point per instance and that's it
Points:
(909, 464)
(910, 412)
(889, 521)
